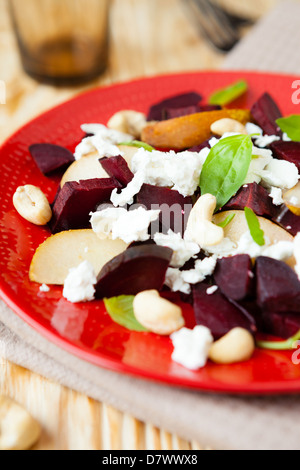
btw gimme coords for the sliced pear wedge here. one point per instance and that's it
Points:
(292, 199)
(62, 251)
(238, 226)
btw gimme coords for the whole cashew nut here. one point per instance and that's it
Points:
(200, 228)
(236, 346)
(31, 203)
(157, 314)
(18, 430)
(128, 122)
(225, 125)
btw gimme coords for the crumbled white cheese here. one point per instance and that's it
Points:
(203, 268)
(44, 288)
(174, 280)
(191, 347)
(109, 135)
(257, 165)
(253, 129)
(276, 195)
(183, 250)
(126, 196)
(281, 174)
(96, 144)
(297, 254)
(280, 251)
(266, 140)
(212, 290)
(180, 171)
(286, 138)
(128, 226)
(79, 284)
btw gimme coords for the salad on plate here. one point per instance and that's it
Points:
(193, 202)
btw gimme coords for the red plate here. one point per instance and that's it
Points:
(86, 329)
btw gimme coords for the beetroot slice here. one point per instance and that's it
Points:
(265, 112)
(171, 113)
(289, 151)
(50, 157)
(156, 112)
(277, 286)
(139, 268)
(218, 313)
(256, 198)
(117, 168)
(289, 221)
(174, 207)
(75, 201)
(234, 277)
(283, 325)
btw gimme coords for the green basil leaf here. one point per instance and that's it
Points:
(138, 144)
(227, 95)
(290, 125)
(226, 168)
(253, 223)
(120, 310)
(280, 345)
(227, 221)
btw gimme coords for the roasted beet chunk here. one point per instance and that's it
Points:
(289, 151)
(174, 207)
(256, 198)
(139, 268)
(171, 113)
(277, 286)
(117, 167)
(289, 221)
(158, 110)
(50, 157)
(283, 325)
(218, 313)
(234, 277)
(265, 112)
(75, 201)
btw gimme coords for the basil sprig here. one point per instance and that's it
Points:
(253, 223)
(120, 309)
(290, 125)
(227, 95)
(227, 221)
(226, 168)
(287, 345)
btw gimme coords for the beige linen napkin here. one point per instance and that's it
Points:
(218, 421)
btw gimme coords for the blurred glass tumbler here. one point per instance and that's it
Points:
(62, 42)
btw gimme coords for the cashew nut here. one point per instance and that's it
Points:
(128, 122)
(18, 430)
(157, 314)
(227, 125)
(236, 346)
(200, 228)
(32, 204)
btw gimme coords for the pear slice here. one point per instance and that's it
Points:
(62, 251)
(89, 167)
(238, 226)
(292, 199)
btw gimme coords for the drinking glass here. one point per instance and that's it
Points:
(62, 42)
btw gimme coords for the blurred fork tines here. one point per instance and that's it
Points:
(214, 23)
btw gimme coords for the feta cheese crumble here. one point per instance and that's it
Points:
(179, 171)
(276, 195)
(191, 347)
(129, 226)
(174, 280)
(44, 288)
(212, 290)
(203, 268)
(183, 250)
(126, 196)
(79, 284)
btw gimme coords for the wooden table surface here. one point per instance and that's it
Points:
(148, 37)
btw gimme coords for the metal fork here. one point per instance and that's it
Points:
(220, 28)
